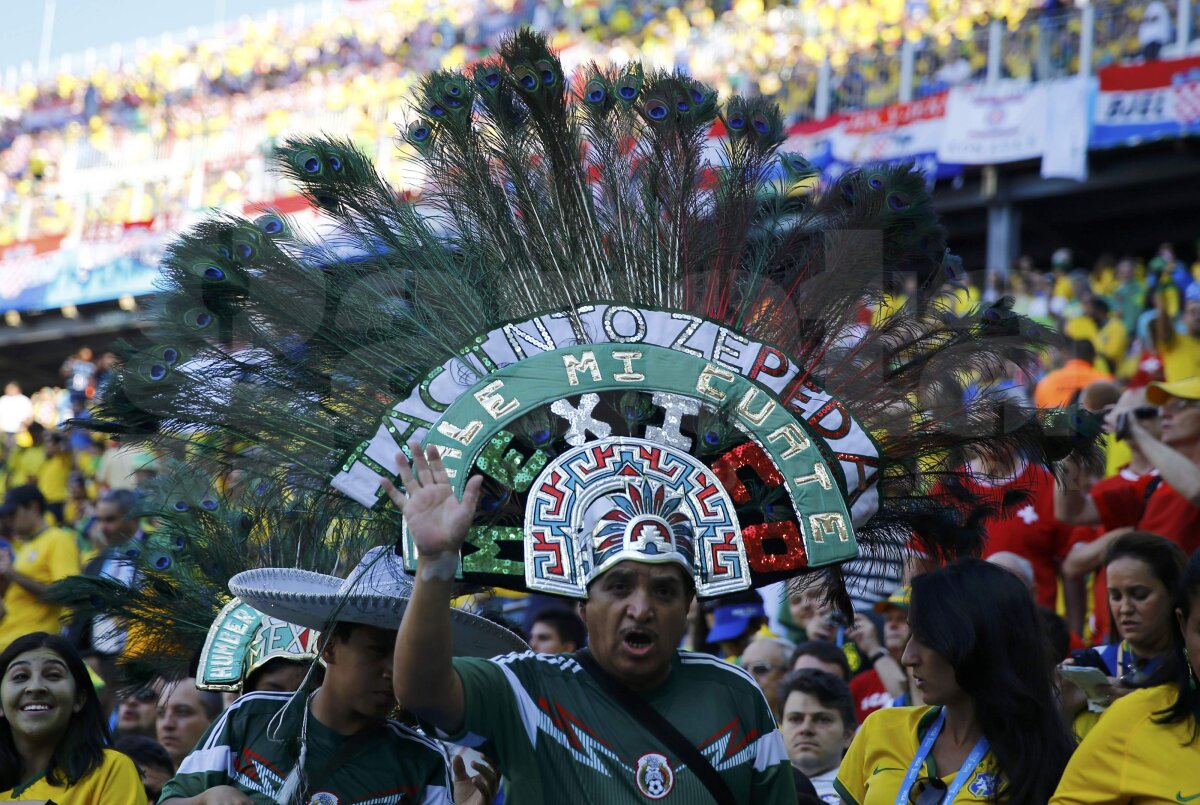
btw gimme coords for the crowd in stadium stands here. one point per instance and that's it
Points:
(1085, 550)
(205, 113)
(1101, 554)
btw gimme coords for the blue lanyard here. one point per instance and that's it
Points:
(964, 773)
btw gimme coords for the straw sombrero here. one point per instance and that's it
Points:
(375, 593)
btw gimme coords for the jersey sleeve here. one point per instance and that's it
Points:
(1093, 775)
(772, 781)
(122, 782)
(500, 716)
(1118, 505)
(210, 763)
(851, 782)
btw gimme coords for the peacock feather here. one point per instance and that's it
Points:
(552, 196)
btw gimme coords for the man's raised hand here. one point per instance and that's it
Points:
(436, 519)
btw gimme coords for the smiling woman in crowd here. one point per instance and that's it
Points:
(53, 735)
(990, 729)
(1146, 747)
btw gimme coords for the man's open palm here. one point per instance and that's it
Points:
(437, 520)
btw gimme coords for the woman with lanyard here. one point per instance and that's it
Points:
(1146, 748)
(1143, 570)
(990, 729)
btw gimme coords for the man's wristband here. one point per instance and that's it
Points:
(878, 654)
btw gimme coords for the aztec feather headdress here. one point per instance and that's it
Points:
(647, 338)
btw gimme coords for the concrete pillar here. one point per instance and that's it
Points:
(824, 101)
(1003, 236)
(995, 63)
(908, 58)
(1087, 39)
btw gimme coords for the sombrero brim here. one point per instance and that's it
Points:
(316, 601)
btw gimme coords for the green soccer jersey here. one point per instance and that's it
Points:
(558, 737)
(398, 767)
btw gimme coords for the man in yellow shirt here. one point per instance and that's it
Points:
(54, 474)
(1180, 351)
(41, 556)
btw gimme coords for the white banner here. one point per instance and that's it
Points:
(990, 124)
(1067, 129)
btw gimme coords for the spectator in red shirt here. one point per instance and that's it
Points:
(886, 680)
(1075, 501)
(1020, 496)
(1167, 504)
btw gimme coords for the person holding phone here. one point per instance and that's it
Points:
(989, 730)
(1142, 571)
(1146, 748)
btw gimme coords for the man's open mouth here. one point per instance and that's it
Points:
(638, 640)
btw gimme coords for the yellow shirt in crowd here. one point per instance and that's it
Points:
(874, 767)
(51, 555)
(52, 477)
(1128, 759)
(116, 780)
(24, 463)
(1181, 360)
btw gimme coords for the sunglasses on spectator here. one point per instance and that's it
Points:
(145, 695)
(1178, 406)
(1145, 412)
(763, 668)
(927, 791)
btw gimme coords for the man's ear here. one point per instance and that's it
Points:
(328, 654)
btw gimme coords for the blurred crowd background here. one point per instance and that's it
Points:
(145, 134)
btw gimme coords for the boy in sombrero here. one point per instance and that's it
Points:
(335, 744)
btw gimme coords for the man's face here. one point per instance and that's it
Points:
(1191, 318)
(281, 677)
(823, 625)
(114, 527)
(636, 614)
(805, 604)
(895, 630)
(182, 719)
(27, 520)
(815, 735)
(812, 661)
(358, 671)
(138, 712)
(545, 639)
(767, 663)
(1180, 422)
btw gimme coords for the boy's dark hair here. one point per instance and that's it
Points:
(567, 624)
(145, 752)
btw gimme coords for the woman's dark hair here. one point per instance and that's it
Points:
(1165, 559)
(982, 620)
(81, 749)
(1179, 671)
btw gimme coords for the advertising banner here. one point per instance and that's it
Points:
(1149, 101)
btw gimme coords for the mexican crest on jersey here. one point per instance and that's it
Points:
(655, 779)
